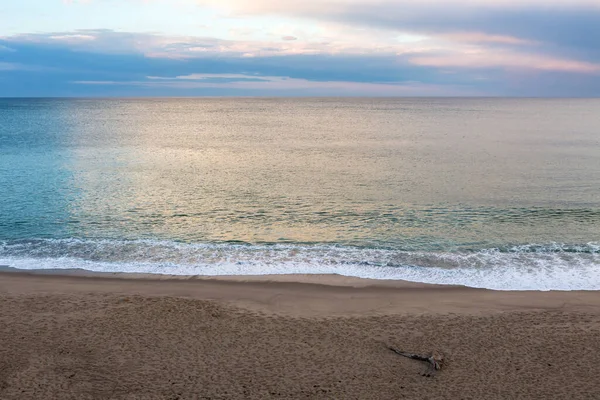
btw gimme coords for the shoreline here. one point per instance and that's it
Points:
(301, 295)
(324, 279)
(315, 279)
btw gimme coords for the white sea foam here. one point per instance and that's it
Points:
(525, 267)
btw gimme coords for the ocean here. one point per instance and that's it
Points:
(491, 193)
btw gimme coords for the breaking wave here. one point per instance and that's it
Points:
(521, 267)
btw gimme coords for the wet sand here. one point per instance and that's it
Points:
(86, 336)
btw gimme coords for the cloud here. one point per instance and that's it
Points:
(533, 35)
(5, 66)
(479, 37)
(506, 59)
(200, 77)
(506, 52)
(182, 47)
(274, 84)
(73, 38)
(564, 22)
(148, 64)
(13, 66)
(573, 25)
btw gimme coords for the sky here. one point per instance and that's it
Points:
(533, 48)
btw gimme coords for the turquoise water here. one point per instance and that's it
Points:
(496, 193)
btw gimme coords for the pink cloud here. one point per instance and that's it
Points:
(505, 59)
(480, 37)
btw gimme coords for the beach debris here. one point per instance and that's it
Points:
(434, 360)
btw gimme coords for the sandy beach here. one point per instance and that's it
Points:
(82, 336)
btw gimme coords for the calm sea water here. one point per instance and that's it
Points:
(495, 193)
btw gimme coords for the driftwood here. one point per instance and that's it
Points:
(435, 361)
